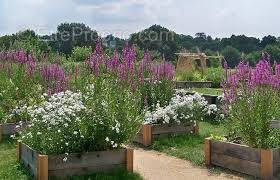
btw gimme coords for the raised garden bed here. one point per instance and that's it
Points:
(193, 84)
(211, 99)
(150, 132)
(42, 167)
(260, 163)
(7, 129)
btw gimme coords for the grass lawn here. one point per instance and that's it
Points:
(11, 170)
(189, 147)
(208, 91)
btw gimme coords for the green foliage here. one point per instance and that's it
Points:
(253, 57)
(70, 35)
(17, 91)
(215, 75)
(250, 118)
(114, 113)
(190, 76)
(80, 54)
(231, 55)
(157, 38)
(159, 92)
(103, 116)
(274, 52)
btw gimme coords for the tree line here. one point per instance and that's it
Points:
(159, 40)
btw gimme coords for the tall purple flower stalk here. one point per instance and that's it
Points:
(54, 78)
(127, 67)
(248, 79)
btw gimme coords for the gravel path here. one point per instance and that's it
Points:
(153, 165)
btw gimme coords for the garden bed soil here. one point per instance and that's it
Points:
(260, 163)
(193, 84)
(42, 167)
(150, 132)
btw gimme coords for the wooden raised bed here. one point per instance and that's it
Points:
(150, 132)
(260, 163)
(42, 167)
(7, 129)
(211, 99)
(193, 84)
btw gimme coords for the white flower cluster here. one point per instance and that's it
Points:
(182, 108)
(59, 108)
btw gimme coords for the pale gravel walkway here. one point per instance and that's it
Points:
(153, 165)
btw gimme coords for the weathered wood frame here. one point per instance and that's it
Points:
(211, 99)
(7, 129)
(261, 163)
(150, 132)
(42, 166)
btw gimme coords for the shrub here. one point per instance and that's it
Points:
(17, 91)
(154, 80)
(215, 75)
(190, 76)
(252, 97)
(156, 93)
(80, 54)
(182, 108)
(100, 117)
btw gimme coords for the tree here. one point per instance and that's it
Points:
(157, 38)
(242, 43)
(253, 57)
(113, 42)
(267, 40)
(232, 56)
(274, 52)
(70, 35)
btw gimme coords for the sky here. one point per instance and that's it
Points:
(218, 18)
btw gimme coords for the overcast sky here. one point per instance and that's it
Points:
(218, 18)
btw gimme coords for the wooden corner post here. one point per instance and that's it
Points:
(1, 133)
(129, 159)
(43, 167)
(18, 151)
(196, 128)
(207, 151)
(266, 164)
(147, 135)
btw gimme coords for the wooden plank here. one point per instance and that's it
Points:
(276, 155)
(276, 163)
(42, 173)
(139, 138)
(9, 129)
(236, 150)
(266, 164)
(84, 160)
(276, 170)
(147, 134)
(167, 129)
(129, 159)
(64, 173)
(236, 164)
(158, 136)
(29, 159)
(275, 124)
(210, 98)
(207, 151)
